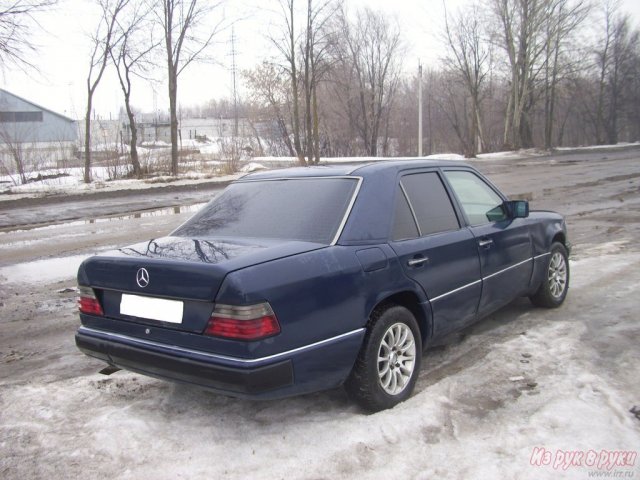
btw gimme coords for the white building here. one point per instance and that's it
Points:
(34, 134)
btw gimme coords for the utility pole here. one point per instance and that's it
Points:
(235, 91)
(419, 109)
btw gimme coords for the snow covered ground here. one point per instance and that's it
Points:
(524, 394)
(523, 380)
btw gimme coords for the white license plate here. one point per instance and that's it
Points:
(152, 308)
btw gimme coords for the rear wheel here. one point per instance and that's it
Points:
(555, 284)
(387, 367)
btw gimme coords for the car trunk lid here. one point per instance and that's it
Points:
(173, 281)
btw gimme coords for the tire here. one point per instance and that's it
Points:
(555, 285)
(380, 384)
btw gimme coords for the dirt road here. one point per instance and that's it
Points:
(522, 379)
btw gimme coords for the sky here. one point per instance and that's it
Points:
(64, 49)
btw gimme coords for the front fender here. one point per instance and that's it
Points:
(545, 226)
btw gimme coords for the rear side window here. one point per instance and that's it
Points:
(430, 203)
(479, 201)
(404, 225)
(294, 209)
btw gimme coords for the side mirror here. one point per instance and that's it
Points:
(517, 208)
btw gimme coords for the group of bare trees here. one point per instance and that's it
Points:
(330, 90)
(527, 46)
(567, 68)
(618, 68)
(303, 45)
(133, 36)
(514, 74)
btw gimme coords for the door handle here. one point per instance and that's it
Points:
(485, 242)
(417, 261)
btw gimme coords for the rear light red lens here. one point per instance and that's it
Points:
(253, 322)
(88, 303)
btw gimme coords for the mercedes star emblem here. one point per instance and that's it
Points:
(142, 277)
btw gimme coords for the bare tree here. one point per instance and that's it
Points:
(632, 102)
(302, 45)
(469, 59)
(521, 23)
(534, 34)
(369, 51)
(562, 20)
(287, 46)
(17, 19)
(615, 62)
(131, 58)
(14, 136)
(602, 54)
(102, 43)
(188, 32)
(317, 41)
(269, 91)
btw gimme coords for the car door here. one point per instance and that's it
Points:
(435, 251)
(504, 243)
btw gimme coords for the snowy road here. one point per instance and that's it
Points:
(524, 394)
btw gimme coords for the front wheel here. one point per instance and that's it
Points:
(387, 367)
(555, 284)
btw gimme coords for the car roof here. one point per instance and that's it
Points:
(350, 169)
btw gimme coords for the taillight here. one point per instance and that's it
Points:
(243, 323)
(88, 303)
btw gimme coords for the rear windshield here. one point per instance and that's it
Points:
(309, 209)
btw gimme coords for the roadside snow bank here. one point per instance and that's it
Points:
(73, 184)
(598, 147)
(446, 156)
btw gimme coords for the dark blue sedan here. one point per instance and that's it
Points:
(297, 280)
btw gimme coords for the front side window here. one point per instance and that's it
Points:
(306, 209)
(430, 203)
(479, 201)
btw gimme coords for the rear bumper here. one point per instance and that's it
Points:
(314, 367)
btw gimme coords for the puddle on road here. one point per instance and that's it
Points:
(62, 268)
(47, 270)
(43, 271)
(146, 214)
(116, 218)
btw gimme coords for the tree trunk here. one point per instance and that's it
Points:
(173, 100)
(308, 86)
(133, 147)
(282, 126)
(612, 127)
(508, 115)
(308, 123)
(87, 139)
(294, 90)
(17, 156)
(473, 131)
(316, 134)
(547, 94)
(480, 130)
(550, 107)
